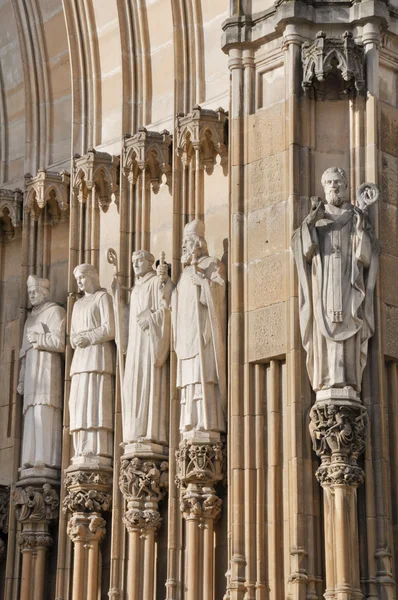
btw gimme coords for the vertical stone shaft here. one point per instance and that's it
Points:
(236, 429)
(133, 581)
(26, 575)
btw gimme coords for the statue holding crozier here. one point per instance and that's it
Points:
(337, 259)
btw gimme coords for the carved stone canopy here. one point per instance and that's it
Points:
(205, 132)
(151, 152)
(10, 211)
(326, 54)
(98, 170)
(47, 188)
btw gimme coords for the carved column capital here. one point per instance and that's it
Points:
(29, 540)
(83, 527)
(338, 433)
(36, 504)
(88, 491)
(200, 468)
(143, 483)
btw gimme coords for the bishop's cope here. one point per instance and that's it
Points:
(199, 324)
(336, 254)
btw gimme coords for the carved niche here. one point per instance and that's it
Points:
(149, 152)
(47, 188)
(201, 136)
(326, 54)
(98, 171)
(10, 212)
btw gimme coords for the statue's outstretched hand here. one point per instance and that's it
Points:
(317, 212)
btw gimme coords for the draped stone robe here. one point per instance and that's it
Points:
(146, 381)
(198, 412)
(41, 374)
(92, 370)
(337, 266)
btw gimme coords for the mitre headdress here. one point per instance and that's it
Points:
(195, 227)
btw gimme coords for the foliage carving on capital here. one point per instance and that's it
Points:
(88, 491)
(135, 518)
(30, 541)
(86, 528)
(34, 505)
(326, 54)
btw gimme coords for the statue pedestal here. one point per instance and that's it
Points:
(145, 450)
(37, 474)
(91, 461)
(340, 395)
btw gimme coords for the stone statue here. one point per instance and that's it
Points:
(92, 369)
(146, 381)
(40, 378)
(199, 322)
(337, 261)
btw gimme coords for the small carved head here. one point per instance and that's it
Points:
(142, 262)
(335, 185)
(87, 278)
(38, 289)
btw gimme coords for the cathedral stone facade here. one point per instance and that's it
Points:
(198, 299)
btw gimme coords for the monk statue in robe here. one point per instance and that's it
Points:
(145, 405)
(92, 369)
(40, 378)
(199, 323)
(336, 254)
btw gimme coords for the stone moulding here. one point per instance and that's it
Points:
(99, 171)
(320, 57)
(11, 202)
(204, 132)
(149, 152)
(47, 188)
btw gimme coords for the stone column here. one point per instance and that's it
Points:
(200, 463)
(143, 484)
(338, 430)
(88, 497)
(36, 509)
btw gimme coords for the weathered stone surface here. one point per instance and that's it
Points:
(267, 332)
(266, 132)
(388, 129)
(267, 279)
(266, 231)
(389, 279)
(390, 329)
(267, 181)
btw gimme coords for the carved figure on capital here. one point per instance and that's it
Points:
(199, 323)
(92, 370)
(40, 378)
(35, 505)
(147, 344)
(337, 256)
